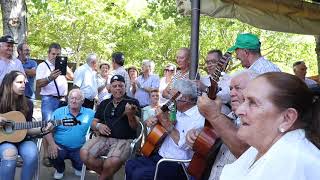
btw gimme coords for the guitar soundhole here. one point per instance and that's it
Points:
(7, 128)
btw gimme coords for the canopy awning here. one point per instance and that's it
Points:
(293, 16)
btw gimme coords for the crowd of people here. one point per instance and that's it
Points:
(268, 121)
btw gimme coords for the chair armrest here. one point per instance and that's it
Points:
(180, 161)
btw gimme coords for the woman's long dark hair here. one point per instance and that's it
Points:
(292, 92)
(10, 101)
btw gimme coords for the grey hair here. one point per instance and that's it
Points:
(77, 90)
(251, 74)
(90, 57)
(187, 88)
(148, 62)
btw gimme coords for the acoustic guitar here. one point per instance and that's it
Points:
(14, 129)
(158, 132)
(207, 144)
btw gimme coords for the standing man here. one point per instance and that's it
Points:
(116, 121)
(183, 60)
(53, 88)
(247, 47)
(145, 83)
(118, 69)
(300, 70)
(29, 67)
(7, 62)
(85, 78)
(65, 142)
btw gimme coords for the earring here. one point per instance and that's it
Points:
(282, 130)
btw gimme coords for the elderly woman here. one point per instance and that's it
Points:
(169, 72)
(280, 121)
(103, 80)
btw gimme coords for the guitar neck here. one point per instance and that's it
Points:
(34, 124)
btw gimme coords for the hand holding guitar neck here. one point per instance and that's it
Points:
(208, 107)
(165, 121)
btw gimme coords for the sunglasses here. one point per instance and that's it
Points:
(168, 70)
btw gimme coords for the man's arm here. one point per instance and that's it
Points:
(227, 131)
(45, 81)
(30, 72)
(69, 74)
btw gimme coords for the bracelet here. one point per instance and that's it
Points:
(48, 79)
(97, 126)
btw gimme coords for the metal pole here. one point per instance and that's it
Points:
(195, 19)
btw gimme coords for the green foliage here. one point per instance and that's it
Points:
(154, 32)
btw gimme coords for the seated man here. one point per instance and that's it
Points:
(174, 145)
(225, 127)
(116, 121)
(65, 142)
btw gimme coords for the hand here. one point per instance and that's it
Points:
(209, 108)
(130, 109)
(48, 128)
(53, 150)
(192, 136)
(151, 121)
(2, 120)
(165, 121)
(54, 74)
(104, 129)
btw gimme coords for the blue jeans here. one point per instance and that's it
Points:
(48, 105)
(143, 168)
(66, 153)
(29, 153)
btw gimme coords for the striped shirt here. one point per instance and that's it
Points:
(263, 65)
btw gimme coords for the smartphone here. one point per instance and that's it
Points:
(61, 64)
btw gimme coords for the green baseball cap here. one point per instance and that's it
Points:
(246, 41)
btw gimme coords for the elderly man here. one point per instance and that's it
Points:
(29, 67)
(65, 142)
(85, 78)
(7, 62)
(247, 47)
(115, 121)
(300, 70)
(174, 145)
(225, 126)
(146, 83)
(53, 88)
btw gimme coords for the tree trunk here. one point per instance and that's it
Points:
(318, 53)
(14, 19)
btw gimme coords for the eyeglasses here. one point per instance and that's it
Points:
(168, 70)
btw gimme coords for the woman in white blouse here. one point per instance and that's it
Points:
(280, 121)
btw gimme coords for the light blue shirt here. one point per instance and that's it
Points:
(72, 136)
(29, 91)
(143, 96)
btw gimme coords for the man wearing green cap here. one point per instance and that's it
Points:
(247, 47)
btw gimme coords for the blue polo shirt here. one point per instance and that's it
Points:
(29, 91)
(72, 137)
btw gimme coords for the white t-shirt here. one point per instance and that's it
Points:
(42, 72)
(292, 157)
